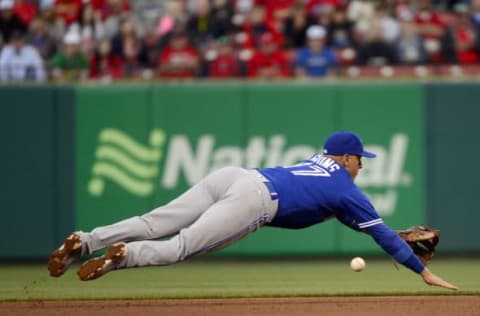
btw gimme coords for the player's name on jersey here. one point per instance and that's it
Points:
(325, 162)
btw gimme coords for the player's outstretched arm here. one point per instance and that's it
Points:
(391, 242)
(432, 279)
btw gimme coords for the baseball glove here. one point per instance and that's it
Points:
(422, 240)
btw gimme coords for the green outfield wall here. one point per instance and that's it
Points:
(85, 156)
(453, 133)
(37, 160)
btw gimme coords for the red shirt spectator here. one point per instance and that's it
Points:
(430, 22)
(461, 39)
(225, 64)
(269, 62)
(257, 26)
(25, 11)
(107, 8)
(431, 26)
(276, 11)
(69, 10)
(465, 39)
(178, 59)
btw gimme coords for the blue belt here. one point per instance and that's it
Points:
(267, 183)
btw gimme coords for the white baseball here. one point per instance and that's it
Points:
(357, 264)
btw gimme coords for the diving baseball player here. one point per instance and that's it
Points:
(233, 202)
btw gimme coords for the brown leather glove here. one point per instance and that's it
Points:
(422, 240)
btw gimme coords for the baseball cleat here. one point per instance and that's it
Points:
(96, 267)
(62, 258)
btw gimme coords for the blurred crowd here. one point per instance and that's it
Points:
(105, 40)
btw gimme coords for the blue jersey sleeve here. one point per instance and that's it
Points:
(358, 213)
(356, 210)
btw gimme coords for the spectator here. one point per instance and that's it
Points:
(69, 10)
(39, 38)
(295, 26)
(222, 62)
(200, 27)
(319, 8)
(25, 11)
(20, 62)
(340, 30)
(242, 42)
(115, 17)
(403, 10)
(461, 41)
(257, 25)
(178, 59)
(389, 26)
(241, 36)
(269, 62)
(374, 50)
(315, 60)
(150, 51)
(276, 12)
(209, 22)
(243, 6)
(90, 27)
(108, 7)
(431, 27)
(70, 64)
(475, 13)
(222, 13)
(449, 5)
(103, 65)
(409, 48)
(9, 22)
(129, 47)
(148, 12)
(381, 19)
(91, 24)
(54, 24)
(360, 12)
(174, 14)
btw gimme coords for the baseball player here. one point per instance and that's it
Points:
(233, 202)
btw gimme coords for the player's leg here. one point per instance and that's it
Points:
(160, 222)
(170, 217)
(163, 221)
(220, 226)
(245, 206)
(166, 220)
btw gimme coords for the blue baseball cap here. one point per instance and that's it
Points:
(345, 142)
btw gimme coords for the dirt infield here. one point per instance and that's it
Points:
(358, 306)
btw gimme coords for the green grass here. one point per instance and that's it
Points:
(218, 279)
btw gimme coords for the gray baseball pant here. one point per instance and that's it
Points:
(222, 208)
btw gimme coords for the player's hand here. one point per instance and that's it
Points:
(432, 279)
